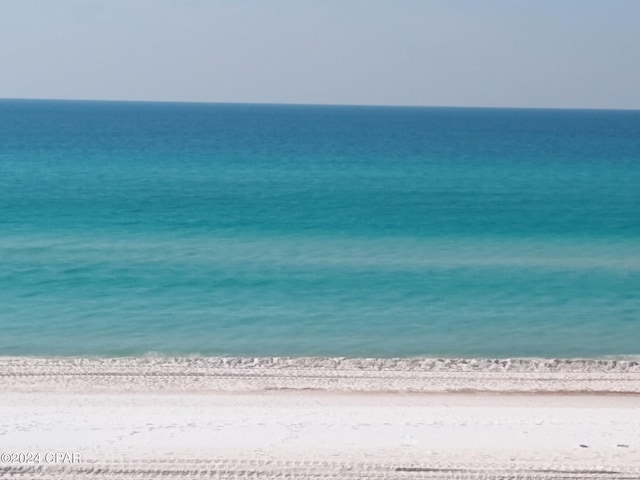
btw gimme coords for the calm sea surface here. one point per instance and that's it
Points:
(129, 228)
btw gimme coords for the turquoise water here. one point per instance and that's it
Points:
(129, 228)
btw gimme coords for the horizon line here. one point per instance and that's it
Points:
(302, 104)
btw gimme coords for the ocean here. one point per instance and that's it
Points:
(129, 229)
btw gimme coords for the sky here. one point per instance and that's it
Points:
(497, 53)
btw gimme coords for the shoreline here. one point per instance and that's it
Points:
(241, 374)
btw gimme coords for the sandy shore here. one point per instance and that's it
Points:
(318, 418)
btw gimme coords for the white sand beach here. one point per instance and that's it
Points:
(318, 418)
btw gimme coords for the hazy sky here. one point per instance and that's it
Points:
(537, 53)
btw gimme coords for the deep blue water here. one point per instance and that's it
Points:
(128, 228)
